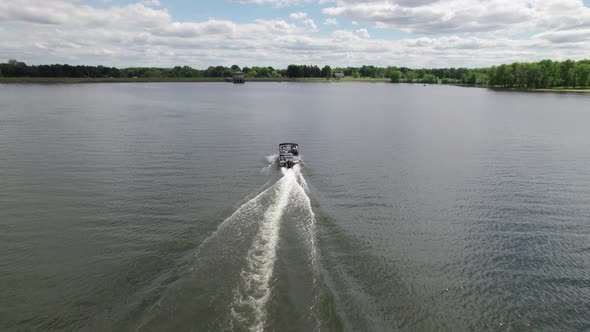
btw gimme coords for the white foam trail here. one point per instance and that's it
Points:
(251, 295)
(304, 200)
(248, 206)
(272, 158)
(301, 180)
(300, 194)
(255, 290)
(272, 161)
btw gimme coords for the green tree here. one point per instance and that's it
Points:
(294, 71)
(149, 72)
(582, 74)
(549, 74)
(429, 78)
(520, 74)
(395, 76)
(472, 79)
(263, 72)
(566, 69)
(504, 76)
(327, 72)
(533, 76)
(410, 76)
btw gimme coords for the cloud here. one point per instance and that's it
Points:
(570, 36)
(464, 16)
(275, 3)
(363, 33)
(345, 35)
(330, 21)
(298, 15)
(152, 2)
(211, 27)
(310, 24)
(61, 12)
(64, 31)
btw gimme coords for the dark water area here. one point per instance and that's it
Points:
(157, 207)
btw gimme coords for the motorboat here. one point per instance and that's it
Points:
(288, 155)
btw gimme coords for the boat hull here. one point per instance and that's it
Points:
(288, 155)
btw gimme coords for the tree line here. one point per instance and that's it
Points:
(542, 74)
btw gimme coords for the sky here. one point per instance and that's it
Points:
(203, 33)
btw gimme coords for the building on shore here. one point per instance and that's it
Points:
(338, 75)
(238, 77)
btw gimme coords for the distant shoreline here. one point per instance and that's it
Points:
(560, 90)
(557, 89)
(77, 80)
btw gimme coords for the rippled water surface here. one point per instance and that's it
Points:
(156, 207)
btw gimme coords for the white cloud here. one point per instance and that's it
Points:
(330, 21)
(63, 31)
(298, 15)
(568, 36)
(152, 2)
(62, 12)
(275, 3)
(464, 16)
(345, 35)
(310, 24)
(211, 27)
(363, 33)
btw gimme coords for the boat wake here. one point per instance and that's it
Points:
(272, 162)
(263, 254)
(254, 289)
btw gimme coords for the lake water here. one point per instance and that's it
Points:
(157, 207)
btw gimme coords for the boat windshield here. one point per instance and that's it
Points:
(289, 149)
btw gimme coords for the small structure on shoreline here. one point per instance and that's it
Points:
(338, 75)
(238, 77)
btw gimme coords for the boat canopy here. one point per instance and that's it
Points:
(288, 154)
